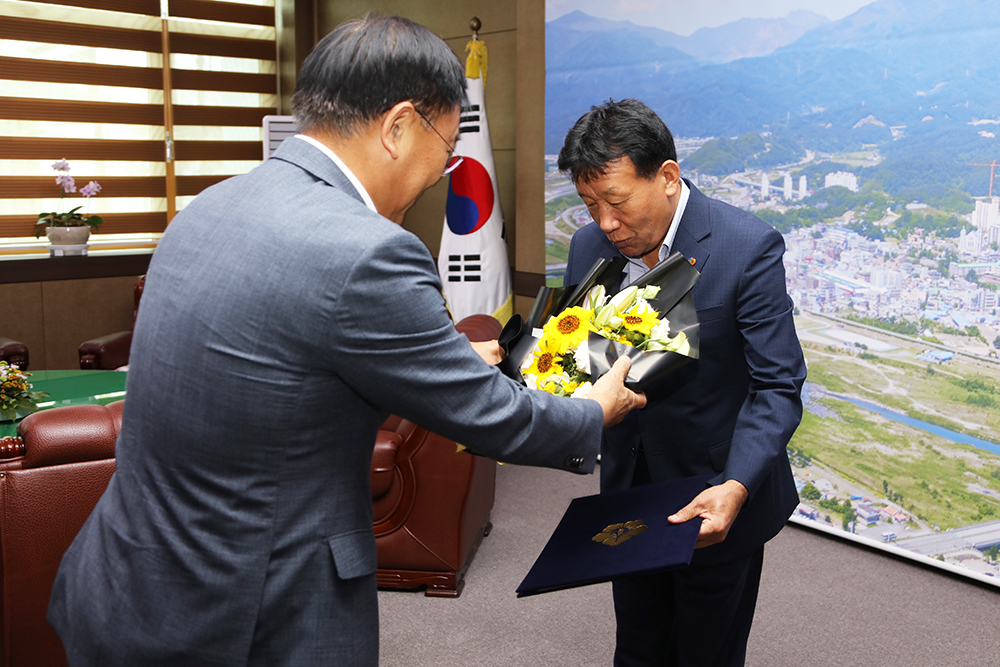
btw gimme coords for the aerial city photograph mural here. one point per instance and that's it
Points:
(866, 133)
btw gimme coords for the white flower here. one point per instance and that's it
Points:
(678, 344)
(531, 381)
(624, 299)
(649, 292)
(582, 357)
(583, 390)
(641, 306)
(661, 331)
(605, 316)
(595, 298)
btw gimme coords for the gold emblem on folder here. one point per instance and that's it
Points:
(617, 533)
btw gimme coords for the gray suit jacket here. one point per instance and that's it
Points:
(731, 412)
(281, 322)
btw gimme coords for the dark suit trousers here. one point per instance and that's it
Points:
(696, 616)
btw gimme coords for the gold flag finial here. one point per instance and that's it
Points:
(477, 61)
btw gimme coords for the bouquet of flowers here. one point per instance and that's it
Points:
(15, 392)
(586, 329)
(560, 364)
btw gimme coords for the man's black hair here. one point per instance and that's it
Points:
(367, 66)
(614, 130)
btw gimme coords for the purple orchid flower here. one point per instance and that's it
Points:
(90, 189)
(66, 182)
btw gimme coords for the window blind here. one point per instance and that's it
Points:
(154, 100)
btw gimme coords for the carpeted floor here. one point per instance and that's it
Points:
(823, 602)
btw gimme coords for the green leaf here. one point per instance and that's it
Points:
(25, 404)
(8, 413)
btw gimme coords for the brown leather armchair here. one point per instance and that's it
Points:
(14, 353)
(431, 503)
(51, 476)
(111, 351)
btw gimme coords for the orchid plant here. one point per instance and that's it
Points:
(73, 217)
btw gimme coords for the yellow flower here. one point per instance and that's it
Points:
(546, 360)
(641, 322)
(568, 328)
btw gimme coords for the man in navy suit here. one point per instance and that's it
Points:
(728, 414)
(286, 314)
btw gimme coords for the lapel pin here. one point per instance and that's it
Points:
(691, 260)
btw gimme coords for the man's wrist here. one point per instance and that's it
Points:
(737, 488)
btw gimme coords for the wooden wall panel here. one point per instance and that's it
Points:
(22, 320)
(77, 310)
(530, 242)
(447, 18)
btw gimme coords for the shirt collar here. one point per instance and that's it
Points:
(636, 267)
(343, 167)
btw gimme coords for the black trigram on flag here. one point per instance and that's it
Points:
(464, 268)
(468, 121)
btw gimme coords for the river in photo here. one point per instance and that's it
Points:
(945, 433)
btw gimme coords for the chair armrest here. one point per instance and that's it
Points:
(70, 434)
(479, 328)
(14, 353)
(106, 352)
(383, 470)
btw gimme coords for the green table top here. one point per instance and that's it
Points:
(73, 388)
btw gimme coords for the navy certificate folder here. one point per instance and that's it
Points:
(617, 534)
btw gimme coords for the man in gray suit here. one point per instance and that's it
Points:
(285, 316)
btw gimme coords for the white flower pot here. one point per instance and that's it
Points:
(68, 235)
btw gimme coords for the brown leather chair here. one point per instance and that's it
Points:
(51, 476)
(111, 351)
(431, 503)
(14, 353)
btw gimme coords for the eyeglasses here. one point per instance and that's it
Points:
(453, 160)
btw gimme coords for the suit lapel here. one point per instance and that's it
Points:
(696, 226)
(306, 156)
(609, 251)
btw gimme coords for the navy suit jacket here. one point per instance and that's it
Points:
(731, 412)
(282, 321)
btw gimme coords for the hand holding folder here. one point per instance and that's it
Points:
(617, 534)
(718, 507)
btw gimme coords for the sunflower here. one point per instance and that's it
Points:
(546, 360)
(641, 322)
(568, 328)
